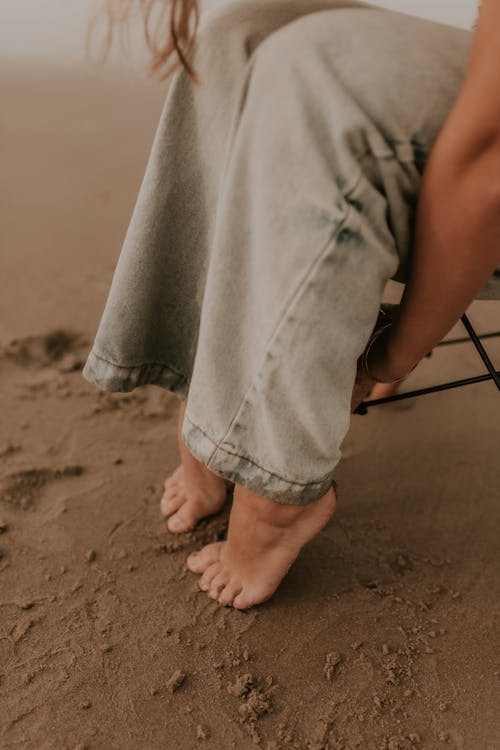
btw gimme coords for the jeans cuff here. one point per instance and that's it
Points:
(246, 472)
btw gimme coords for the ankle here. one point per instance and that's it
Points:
(278, 514)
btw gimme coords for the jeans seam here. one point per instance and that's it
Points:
(218, 446)
(140, 364)
(295, 294)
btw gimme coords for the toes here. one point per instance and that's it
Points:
(228, 594)
(173, 479)
(218, 583)
(248, 598)
(242, 601)
(199, 561)
(170, 482)
(183, 520)
(208, 576)
(170, 502)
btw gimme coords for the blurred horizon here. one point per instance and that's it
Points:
(31, 30)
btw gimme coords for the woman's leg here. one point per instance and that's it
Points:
(315, 216)
(258, 278)
(227, 40)
(149, 329)
(339, 111)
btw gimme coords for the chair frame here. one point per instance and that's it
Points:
(493, 373)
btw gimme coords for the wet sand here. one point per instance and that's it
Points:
(384, 635)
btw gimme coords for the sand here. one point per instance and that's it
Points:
(384, 635)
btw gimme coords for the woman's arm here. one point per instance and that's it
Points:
(457, 234)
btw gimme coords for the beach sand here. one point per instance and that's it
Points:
(385, 633)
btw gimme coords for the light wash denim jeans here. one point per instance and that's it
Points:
(278, 200)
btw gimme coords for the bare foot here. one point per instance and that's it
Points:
(192, 492)
(264, 538)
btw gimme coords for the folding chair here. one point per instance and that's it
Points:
(493, 373)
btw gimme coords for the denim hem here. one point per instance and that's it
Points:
(124, 378)
(246, 472)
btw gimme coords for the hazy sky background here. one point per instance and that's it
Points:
(53, 30)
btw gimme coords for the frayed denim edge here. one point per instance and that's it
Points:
(124, 378)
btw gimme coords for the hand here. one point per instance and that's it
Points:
(382, 367)
(381, 363)
(365, 385)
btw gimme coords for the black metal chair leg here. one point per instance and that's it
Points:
(493, 373)
(482, 352)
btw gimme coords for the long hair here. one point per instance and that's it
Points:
(169, 28)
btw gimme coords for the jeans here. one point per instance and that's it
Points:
(278, 199)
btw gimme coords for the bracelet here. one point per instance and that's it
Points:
(364, 356)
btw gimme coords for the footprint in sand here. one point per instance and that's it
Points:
(58, 348)
(20, 489)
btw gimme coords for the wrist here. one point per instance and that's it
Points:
(396, 356)
(383, 361)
